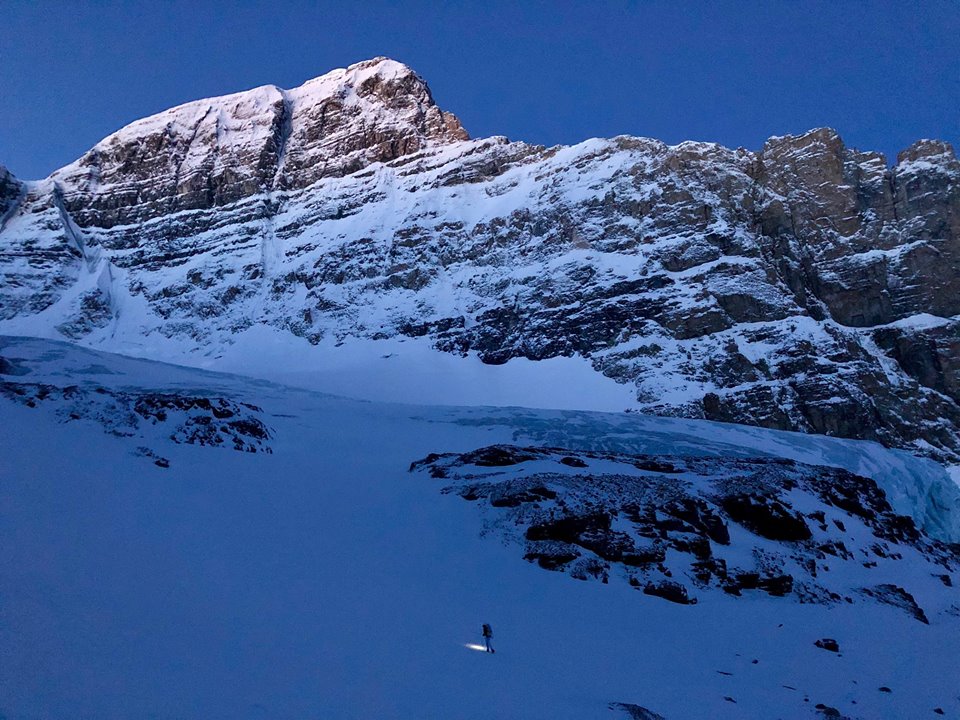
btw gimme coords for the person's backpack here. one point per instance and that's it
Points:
(487, 632)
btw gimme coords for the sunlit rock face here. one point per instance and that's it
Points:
(212, 153)
(807, 286)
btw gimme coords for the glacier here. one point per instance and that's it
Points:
(322, 578)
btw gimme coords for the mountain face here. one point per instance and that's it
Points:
(806, 286)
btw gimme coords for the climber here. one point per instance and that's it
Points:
(487, 637)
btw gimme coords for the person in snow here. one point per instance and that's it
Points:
(487, 637)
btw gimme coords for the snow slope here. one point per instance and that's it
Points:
(322, 579)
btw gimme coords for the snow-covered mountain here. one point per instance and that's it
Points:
(804, 286)
(180, 543)
(176, 542)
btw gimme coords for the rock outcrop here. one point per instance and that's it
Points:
(807, 286)
(182, 419)
(677, 527)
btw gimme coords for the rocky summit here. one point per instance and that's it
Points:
(805, 286)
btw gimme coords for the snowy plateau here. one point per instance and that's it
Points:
(300, 387)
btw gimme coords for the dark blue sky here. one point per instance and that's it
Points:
(882, 73)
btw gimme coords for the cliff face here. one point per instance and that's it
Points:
(10, 190)
(212, 153)
(806, 286)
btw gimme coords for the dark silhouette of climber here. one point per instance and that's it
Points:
(487, 637)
